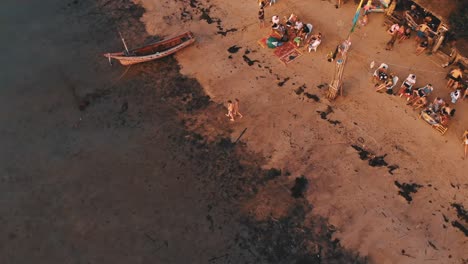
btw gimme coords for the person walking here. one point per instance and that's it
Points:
(236, 108)
(230, 107)
(465, 142)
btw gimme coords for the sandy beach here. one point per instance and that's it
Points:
(112, 164)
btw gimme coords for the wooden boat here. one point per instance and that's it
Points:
(152, 51)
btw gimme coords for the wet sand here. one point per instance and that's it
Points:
(384, 178)
(102, 164)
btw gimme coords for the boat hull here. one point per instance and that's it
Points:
(180, 42)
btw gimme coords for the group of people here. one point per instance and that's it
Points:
(290, 29)
(437, 112)
(233, 109)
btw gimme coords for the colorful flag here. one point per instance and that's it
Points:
(356, 16)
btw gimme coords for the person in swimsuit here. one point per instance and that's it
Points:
(465, 142)
(230, 107)
(235, 111)
(407, 85)
(261, 17)
(454, 77)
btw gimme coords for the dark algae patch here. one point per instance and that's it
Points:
(323, 114)
(374, 160)
(283, 81)
(234, 49)
(296, 239)
(312, 96)
(407, 189)
(461, 212)
(300, 89)
(248, 60)
(462, 215)
(461, 227)
(299, 188)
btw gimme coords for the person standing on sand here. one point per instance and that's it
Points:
(261, 17)
(465, 142)
(236, 108)
(230, 108)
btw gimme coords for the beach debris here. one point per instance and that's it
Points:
(234, 49)
(407, 189)
(300, 186)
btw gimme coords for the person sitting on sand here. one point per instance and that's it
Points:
(306, 30)
(380, 73)
(291, 21)
(407, 86)
(405, 34)
(230, 108)
(455, 95)
(421, 92)
(388, 84)
(447, 111)
(275, 19)
(422, 47)
(465, 142)
(437, 104)
(298, 27)
(314, 42)
(419, 103)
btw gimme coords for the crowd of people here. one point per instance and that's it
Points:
(436, 112)
(289, 29)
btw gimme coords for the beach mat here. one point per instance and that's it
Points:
(287, 53)
(263, 41)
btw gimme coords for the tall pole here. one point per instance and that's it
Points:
(336, 83)
(123, 41)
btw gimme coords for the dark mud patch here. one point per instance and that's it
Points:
(374, 160)
(407, 189)
(312, 96)
(205, 16)
(300, 89)
(461, 212)
(225, 32)
(272, 173)
(193, 3)
(460, 227)
(324, 114)
(322, 85)
(391, 168)
(280, 84)
(234, 49)
(333, 122)
(300, 187)
(249, 61)
(293, 239)
(158, 97)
